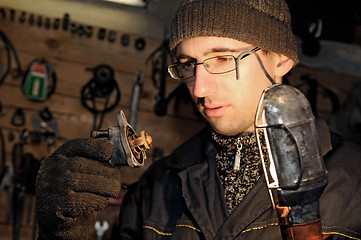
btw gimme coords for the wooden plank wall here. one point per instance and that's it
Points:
(70, 55)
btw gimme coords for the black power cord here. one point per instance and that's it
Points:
(101, 86)
(3, 155)
(9, 47)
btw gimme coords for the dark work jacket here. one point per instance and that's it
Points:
(181, 197)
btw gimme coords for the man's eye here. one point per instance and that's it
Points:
(223, 59)
(187, 66)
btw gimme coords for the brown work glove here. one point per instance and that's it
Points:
(74, 182)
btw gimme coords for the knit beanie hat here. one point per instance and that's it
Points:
(261, 23)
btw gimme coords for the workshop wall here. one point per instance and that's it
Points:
(71, 52)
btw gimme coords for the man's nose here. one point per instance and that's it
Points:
(204, 82)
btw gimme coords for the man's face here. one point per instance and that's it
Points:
(228, 104)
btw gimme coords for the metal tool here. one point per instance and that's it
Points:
(101, 33)
(286, 127)
(128, 148)
(101, 229)
(66, 21)
(291, 139)
(18, 118)
(112, 35)
(137, 89)
(8, 177)
(56, 23)
(125, 39)
(22, 17)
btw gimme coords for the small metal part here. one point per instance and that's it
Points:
(18, 118)
(137, 89)
(31, 19)
(47, 23)
(12, 14)
(237, 159)
(101, 33)
(125, 39)
(2, 110)
(128, 148)
(80, 30)
(56, 23)
(112, 36)
(88, 31)
(2, 12)
(22, 17)
(100, 134)
(39, 21)
(140, 44)
(66, 20)
(73, 28)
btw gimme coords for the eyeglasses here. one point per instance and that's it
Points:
(214, 65)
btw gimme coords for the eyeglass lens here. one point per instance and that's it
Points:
(214, 65)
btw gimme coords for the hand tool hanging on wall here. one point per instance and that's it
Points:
(2, 12)
(39, 80)
(102, 87)
(18, 118)
(140, 44)
(7, 183)
(125, 39)
(3, 155)
(9, 48)
(159, 59)
(26, 168)
(112, 35)
(12, 14)
(2, 110)
(22, 17)
(101, 33)
(31, 19)
(66, 21)
(39, 21)
(56, 23)
(134, 103)
(88, 30)
(45, 127)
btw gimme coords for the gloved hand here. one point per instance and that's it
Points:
(74, 182)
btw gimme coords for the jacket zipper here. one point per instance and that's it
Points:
(237, 158)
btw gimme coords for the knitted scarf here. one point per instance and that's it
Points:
(237, 182)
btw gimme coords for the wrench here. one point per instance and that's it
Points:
(101, 229)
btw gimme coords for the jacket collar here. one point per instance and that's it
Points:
(199, 146)
(192, 152)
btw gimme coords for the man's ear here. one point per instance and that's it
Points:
(284, 65)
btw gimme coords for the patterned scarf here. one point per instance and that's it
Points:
(237, 182)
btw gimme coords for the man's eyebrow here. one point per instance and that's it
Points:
(214, 50)
(180, 56)
(221, 49)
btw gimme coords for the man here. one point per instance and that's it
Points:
(212, 187)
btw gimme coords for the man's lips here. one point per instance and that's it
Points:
(214, 111)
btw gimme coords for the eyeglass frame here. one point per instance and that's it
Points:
(241, 56)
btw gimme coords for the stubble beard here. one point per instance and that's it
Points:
(231, 128)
